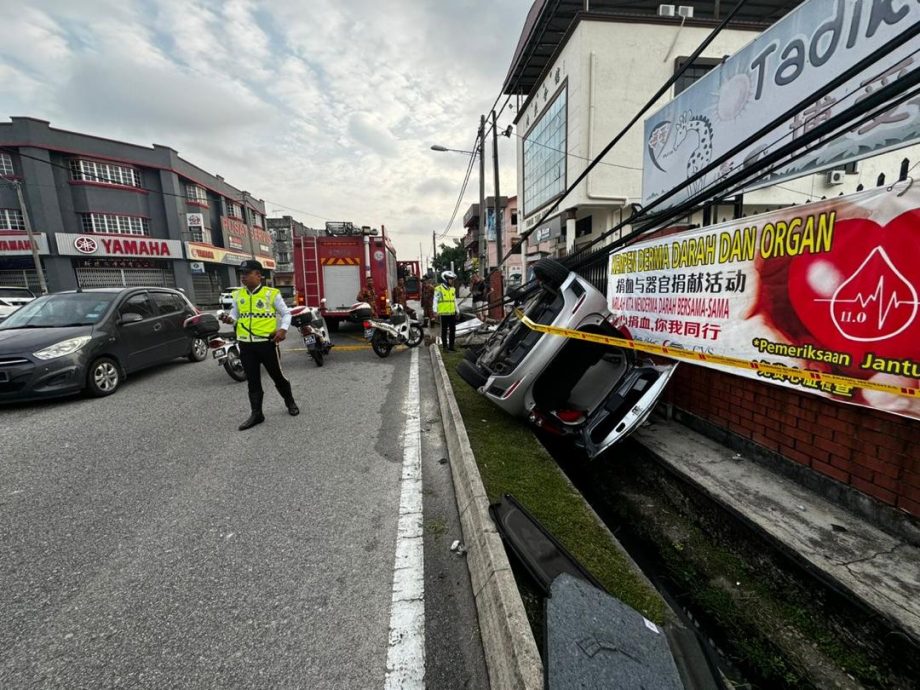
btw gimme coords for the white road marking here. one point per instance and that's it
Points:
(406, 648)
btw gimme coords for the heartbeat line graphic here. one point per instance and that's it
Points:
(893, 301)
(846, 320)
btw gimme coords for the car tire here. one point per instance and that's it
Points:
(103, 377)
(199, 351)
(472, 354)
(469, 373)
(551, 272)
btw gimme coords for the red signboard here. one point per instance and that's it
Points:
(831, 286)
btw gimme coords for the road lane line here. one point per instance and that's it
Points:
(406, 645)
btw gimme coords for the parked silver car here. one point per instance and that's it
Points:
(11, 298)
(596, 394)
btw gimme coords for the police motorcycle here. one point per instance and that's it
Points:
(399, 329)
(313, 329)
(226, 351)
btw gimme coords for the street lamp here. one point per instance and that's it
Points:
(441, 149)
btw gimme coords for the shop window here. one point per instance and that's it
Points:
(544, 155)
(197, 194)
(112, 224)
(6, 165)
(234, 210)
(105, 173)
(696, 71)
(11, 219)
(584, 226)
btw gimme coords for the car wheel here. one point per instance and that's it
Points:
(104, 377)
(472, 354)
(469, 373)
(199, 350)
(551, 272)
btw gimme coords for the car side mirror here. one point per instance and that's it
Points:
(130, 317)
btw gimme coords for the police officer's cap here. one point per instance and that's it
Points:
(250, 265)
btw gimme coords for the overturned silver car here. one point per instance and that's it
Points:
(596, 394)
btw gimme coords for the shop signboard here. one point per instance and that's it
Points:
(17, 244)
(809, 47)
(91, 245)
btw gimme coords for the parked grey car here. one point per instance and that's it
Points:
(596, 394)
(91, 340)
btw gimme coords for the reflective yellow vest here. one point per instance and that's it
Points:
(258, 319)
(447, 299)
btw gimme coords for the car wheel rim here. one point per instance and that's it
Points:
(201, 348)
(106, 377)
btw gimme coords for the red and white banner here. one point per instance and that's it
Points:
(830, 286)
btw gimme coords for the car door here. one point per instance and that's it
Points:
(140, 340)
(169, 310)
(626, 407)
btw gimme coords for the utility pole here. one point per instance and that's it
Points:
(26, 221)
(498, 216)
(434, 248)
(483, 246)
(252, 246)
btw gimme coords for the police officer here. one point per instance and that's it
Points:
(427, 300)
(262, 320)
(445, 305)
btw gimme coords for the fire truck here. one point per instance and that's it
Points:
(411, 273)
(335, 266)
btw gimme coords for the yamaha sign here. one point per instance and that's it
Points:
(118, 246)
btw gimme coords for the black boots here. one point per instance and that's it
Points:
(254, 418)
(255, 404)
(292, 408)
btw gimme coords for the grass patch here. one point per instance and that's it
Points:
(511, 460)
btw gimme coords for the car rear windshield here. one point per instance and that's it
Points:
(57, 311)
(19, 293)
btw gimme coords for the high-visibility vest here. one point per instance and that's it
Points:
(258, 317)
(447, 299)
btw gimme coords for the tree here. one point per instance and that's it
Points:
(455, 253)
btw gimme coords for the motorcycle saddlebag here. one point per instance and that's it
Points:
(359, 315)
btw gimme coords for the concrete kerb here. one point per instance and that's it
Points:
(510, 650)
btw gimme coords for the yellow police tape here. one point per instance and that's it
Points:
(819, 380)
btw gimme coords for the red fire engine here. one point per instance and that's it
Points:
(411, 273)
(334, 267)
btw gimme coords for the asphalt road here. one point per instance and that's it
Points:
(147, 543)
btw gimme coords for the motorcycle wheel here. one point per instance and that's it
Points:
(416, 334)
(317, 356)
(234, 367)
(381, 347)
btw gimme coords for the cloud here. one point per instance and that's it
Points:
(328, 107)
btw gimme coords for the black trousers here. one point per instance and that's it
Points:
(253, 357)
(448, 330)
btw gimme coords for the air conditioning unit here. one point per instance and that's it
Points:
(835, 177)
(666, 10)
(685, 11)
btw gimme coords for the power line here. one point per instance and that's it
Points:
(466, 179)
(575, 155)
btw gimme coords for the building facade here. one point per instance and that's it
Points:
(582, 80)
(108, 213)
(283, 231)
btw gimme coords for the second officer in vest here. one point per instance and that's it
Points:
(262, 320)
(445, 305)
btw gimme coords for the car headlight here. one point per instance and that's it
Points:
(65, 347)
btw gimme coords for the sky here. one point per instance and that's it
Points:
(322, 107)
